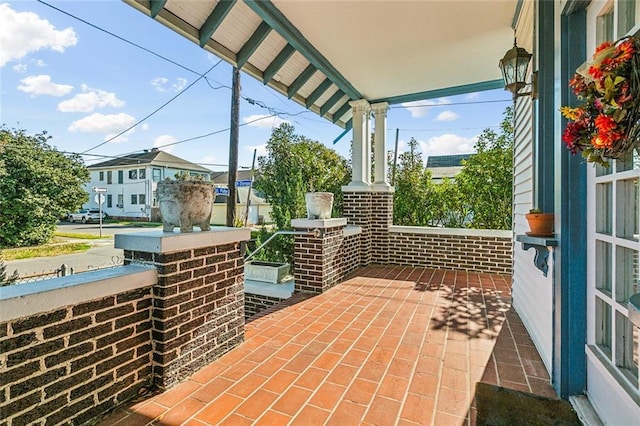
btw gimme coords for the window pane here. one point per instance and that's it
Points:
(630, 162)
(603, 326)
(142, 199)
(601, 171)
(141, 174)
(101, 176)
(604, 201)
(109, 200)
(133, 174)
(604, 26)
(626, 344)
(626, 16)
(157, 175)
(626, 273)
(120, 176)
(627, 209)
(134, 198)
(603, 267)
(109, 177)
(120, 201)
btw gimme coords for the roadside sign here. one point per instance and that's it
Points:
(243, 183)
(100, 198)
(222, 191)
(98, 189)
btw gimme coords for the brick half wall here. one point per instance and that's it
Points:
(71, 353)
(455, 249)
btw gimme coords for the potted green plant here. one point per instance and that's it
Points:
(540, 224)
(185, 201)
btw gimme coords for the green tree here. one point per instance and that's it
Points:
(38, 184)
(415, 195)
(486, 179)
(292, 166)
(5, 279)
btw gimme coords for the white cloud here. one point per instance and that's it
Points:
(120, 139)
(40, 63)
(447, 116)
(25, 32)
(101, 123)
(42, 85)
(260, 149)
(179, 84)
(472, 96)
(421, 108)
(144, 126)
(161, 84)
(447, 144)
(89, 100)
(263, 121)
(164, 140)
(21, 68)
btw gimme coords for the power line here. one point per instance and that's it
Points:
(153, 112)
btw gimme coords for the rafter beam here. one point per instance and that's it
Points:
(155, 6)
(301, 80)
(331, 102)
(252, 44)
(277, 63)
(270, 13)
(341, 111)
(216, 17)
(315, 95)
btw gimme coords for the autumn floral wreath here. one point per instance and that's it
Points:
(606, 125)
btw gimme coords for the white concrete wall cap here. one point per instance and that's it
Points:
(352, 230)
(451, 231)
(166, 242)
(318, 223)
(23, 300)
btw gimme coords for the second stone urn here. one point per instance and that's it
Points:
(319, 205)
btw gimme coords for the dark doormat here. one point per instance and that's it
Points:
(501, 406)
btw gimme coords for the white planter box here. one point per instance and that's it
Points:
(269, 272)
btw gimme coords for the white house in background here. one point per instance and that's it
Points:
(445, 166)
(131, 180)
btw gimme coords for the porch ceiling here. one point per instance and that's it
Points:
(323, 54)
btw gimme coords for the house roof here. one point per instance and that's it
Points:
(223, 177)
(446, 160)
(324, 54)
(153, 157)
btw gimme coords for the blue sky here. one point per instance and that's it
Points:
(84, 86)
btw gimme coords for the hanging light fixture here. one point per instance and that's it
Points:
(514, 66)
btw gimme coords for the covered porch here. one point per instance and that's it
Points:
(389, 345)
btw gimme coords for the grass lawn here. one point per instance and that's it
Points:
(79, 236)
(45, 250)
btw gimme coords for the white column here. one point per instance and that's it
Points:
(379, 149)
(361, 143)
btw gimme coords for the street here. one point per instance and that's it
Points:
(100, 256)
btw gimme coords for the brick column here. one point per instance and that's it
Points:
(317, 259)
(381, 221)
(198, 301)
(356, 208)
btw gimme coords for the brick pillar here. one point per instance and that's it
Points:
(198, 301)
(356, 208)
(317, 259)
(381, 220)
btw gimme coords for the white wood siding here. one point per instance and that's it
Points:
(532, 291)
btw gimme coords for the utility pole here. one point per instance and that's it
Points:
(233, 146)
(395, 159)
(253, 167)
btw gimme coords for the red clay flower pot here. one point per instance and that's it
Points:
(541, 224)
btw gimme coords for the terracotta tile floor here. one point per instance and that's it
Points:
(389, 346)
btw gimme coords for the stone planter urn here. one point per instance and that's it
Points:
(270, 272)
(319, 205)
(185, 203)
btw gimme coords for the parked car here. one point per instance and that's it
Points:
(86, 215)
